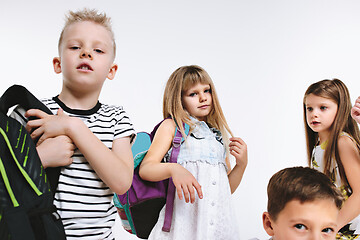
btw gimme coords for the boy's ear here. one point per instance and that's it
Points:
(267, 223)
(57, 65)
(112, 71)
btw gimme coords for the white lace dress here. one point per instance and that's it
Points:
(202, 154)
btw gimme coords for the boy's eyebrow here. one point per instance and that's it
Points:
(94, 42)
(297, 220)
(306, 221)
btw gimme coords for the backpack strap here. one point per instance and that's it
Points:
(19, 95)
(171, 187)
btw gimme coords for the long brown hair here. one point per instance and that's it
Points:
(336, 91)
(180, 81)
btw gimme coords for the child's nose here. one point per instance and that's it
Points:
(314, 113)
(316, 236)
(85, 54)
(202, 97)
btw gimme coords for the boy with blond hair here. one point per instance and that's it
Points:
(92, 141)
(302, 204)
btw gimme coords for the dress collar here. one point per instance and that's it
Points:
(216, 131)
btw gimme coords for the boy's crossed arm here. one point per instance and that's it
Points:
(53, 152)
(114, 167)
(56, 152)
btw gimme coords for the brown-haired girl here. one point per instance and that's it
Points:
(202, 167)
(332, 145)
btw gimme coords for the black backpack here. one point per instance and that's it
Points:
(26, 199)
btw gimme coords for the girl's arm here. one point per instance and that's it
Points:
(350, 159)
(238, 149)
(114, 167)
(151, 168)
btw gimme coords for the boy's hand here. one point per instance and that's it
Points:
(46, 126)
(185, 183)
(57, 151)
(355, 111)
(238, 149)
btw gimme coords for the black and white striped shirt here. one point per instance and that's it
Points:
(83, 200)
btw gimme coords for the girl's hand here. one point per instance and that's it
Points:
(238, 149)
(46, 126)
(55, 152)
(185, 183)
(355, 111)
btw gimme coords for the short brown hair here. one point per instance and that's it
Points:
(299, 183)
(91, 15)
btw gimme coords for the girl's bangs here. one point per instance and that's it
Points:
(325, 89)
(193, 78)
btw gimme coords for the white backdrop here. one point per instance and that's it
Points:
(262, 55)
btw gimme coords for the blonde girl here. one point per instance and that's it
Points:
(202, 176)
(332, 138)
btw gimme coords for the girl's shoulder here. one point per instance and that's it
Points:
(346, 138)
(346, 143)
(168, 123)
(349, 153)
(345, 134)
(167, 127)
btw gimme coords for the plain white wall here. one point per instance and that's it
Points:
(262, 55)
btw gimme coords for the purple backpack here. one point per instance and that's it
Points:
(140, 206)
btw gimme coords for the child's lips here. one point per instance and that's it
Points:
(204, 106)
(315, 123)
(84, 67)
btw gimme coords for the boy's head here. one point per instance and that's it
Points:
(91, 15)
(86, 53)
(302, 203)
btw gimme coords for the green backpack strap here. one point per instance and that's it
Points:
(23, 172)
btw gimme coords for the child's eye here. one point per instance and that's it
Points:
(300, 226)
(309, 109)
(192, 94)
(323, 108)
(74, 47)
(98, 50)
(327, 230)
(208, 90)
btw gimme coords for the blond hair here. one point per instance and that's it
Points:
(180, 81)
(91, 15)
(336, 91)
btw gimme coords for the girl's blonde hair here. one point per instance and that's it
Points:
(180, 81)
(91, 15)
(336, 91)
